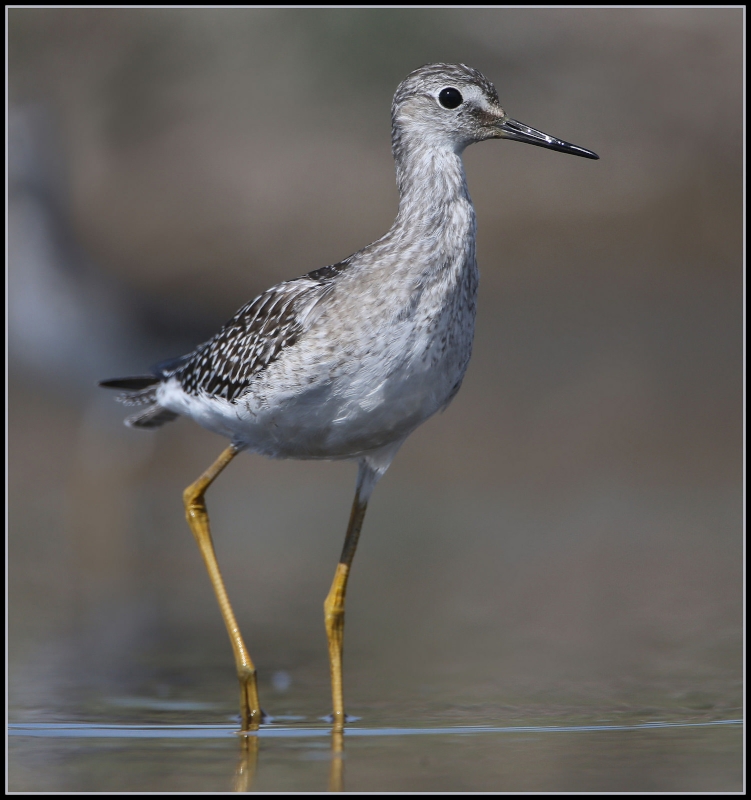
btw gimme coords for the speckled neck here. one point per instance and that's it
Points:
(435, 208)
(429, 176)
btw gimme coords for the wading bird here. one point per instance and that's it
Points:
(346, 361)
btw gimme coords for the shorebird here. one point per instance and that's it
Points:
(346, 361)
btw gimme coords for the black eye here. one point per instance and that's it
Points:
(450, 97)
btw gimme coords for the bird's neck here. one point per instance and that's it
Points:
(432, 187)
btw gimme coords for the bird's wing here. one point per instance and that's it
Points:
(254, 337)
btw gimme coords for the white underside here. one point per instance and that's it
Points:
(345, 410)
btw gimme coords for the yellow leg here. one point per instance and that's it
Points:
(198, 519)
(333, 608)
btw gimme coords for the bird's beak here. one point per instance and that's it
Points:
(517, 131)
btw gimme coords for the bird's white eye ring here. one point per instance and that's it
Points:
(450, 98)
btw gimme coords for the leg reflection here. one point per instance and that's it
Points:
(336, 774)
(246, 765)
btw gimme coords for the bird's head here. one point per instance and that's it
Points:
(453, 105)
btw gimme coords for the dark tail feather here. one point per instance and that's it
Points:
(154, 417)
(133, 384)
(140, 390)
(166, 368)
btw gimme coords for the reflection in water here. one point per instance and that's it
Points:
(166, 757)
(336, 772)
(248, 761)
(249, 745)
(246, 766)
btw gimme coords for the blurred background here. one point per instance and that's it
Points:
(566, 538)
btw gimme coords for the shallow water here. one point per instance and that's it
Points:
(652, 757)
(154, 744)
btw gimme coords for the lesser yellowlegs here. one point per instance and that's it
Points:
(346, 361)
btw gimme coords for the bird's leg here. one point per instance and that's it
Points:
(198, 519)
(333, 606)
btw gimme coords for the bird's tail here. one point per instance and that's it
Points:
(140, 390)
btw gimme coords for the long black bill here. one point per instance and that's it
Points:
(519, 132)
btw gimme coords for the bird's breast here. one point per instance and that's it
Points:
(359, 381)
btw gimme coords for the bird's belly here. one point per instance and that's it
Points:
(332, 422)
(329, 419)
(368, 404)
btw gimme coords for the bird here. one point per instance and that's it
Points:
(346, 361)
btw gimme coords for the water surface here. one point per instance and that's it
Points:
(296, 752)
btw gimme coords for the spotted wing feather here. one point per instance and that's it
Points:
(254, 338)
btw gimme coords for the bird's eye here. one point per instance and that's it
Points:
(450, 97)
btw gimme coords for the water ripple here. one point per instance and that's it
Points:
(85, 730)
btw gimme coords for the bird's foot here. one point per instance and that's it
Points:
(265, 719)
